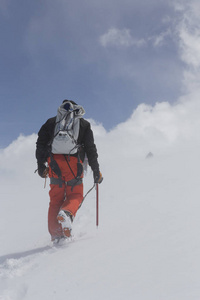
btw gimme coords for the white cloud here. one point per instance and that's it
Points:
(119, 37)
(97, 128)
(188, 30)
(18, 159)
(160, 39)
(122, 38)
(161, 128)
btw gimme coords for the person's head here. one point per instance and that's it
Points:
(68, 104)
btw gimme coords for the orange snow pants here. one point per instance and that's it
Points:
(63, 197)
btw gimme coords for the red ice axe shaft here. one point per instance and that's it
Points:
(97, 204)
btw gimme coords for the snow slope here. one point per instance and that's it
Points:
(147, 244)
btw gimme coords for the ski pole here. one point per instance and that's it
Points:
(97, 205)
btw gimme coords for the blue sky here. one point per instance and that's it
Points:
(108, 56)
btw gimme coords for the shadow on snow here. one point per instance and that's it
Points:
(24, 254)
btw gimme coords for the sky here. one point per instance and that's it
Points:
(109, 56)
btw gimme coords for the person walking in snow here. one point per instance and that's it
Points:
(63, 141)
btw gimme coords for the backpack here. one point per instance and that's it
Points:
(66, 129)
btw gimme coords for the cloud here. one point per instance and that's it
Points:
(146, 62)
(18, 159)
(160, 39)
(162, 124)
(189, 29)
(119, 37)
(97, 128)
(122, 38)
(159, 128)
(189, 43)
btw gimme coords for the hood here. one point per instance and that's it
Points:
(68, 113)
(68, 107)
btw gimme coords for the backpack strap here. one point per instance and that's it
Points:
(55, 168)
(77, 177)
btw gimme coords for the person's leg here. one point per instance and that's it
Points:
(57, 197)
(69, 208)
(74, 197)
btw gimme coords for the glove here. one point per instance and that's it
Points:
(43, 170)
(97, 176)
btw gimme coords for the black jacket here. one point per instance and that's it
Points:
(85, 139)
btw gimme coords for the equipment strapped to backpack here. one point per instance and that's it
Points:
(64, 140)
(66, 129)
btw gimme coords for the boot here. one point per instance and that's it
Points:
(65, 219)
(58, 239)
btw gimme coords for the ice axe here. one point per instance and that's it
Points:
(97, 205)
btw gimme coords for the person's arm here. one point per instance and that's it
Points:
(43, 145)
(91, 152)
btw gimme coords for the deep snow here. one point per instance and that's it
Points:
(147, 244)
